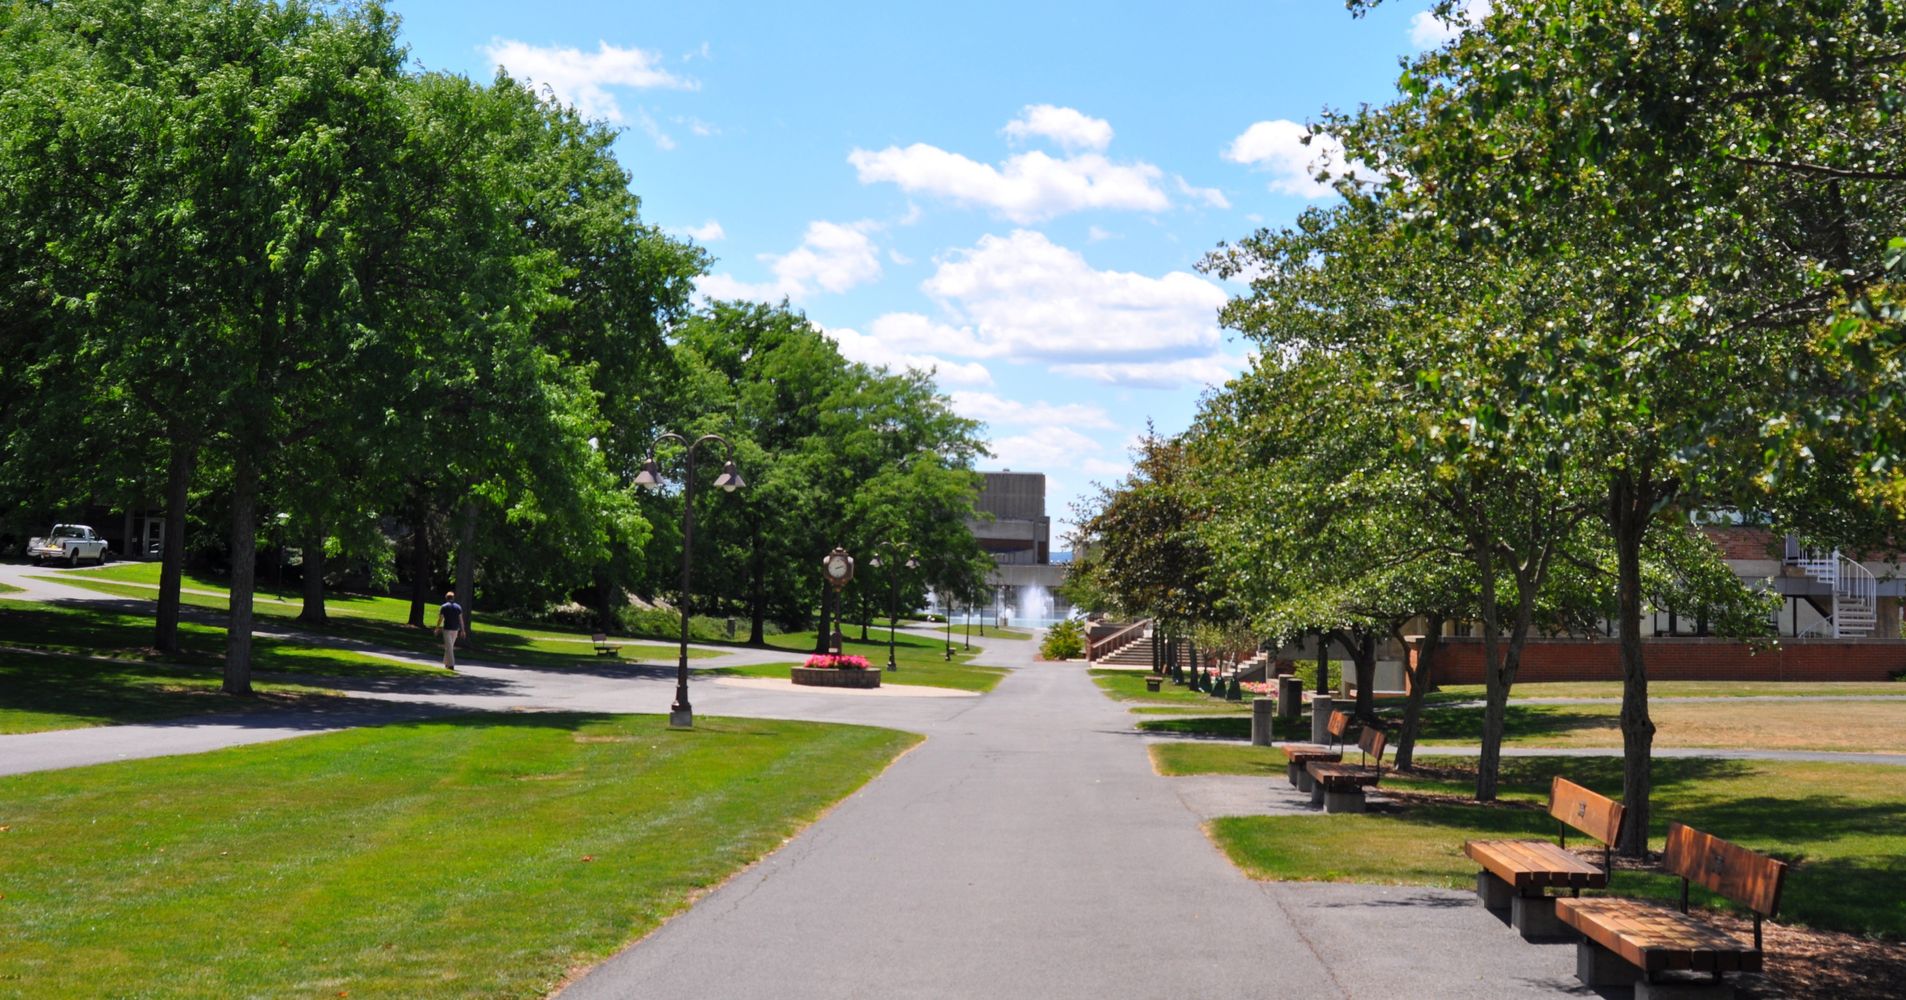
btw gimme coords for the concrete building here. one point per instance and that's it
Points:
(1018, 534)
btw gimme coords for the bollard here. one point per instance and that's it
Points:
(1320, 719)
(1290, 696)
(1262, 720)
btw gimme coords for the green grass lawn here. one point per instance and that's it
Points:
(960, 677)
(7, 588)
(483, 856)
(921, 660)
(89, 667)
(383, 621)
(1127, 685)
(43, 691)
(1843, 825)
(142, 579)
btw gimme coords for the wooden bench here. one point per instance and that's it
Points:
(1337, 786)
(1626, 938)
(1299, 755)
(603, 646)
(1517, 874)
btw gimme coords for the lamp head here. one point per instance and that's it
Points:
(651, 475)
(730, 478)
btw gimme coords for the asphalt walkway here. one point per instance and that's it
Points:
(1027, 849)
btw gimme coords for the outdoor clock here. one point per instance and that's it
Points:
(839, 567)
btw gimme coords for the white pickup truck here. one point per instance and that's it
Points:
(69, 543)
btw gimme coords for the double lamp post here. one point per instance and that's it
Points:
(894, 564)
(680, 714)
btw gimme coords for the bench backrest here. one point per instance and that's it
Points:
(1750, 879)
(1596, 815)
(1372, 741)
(600, 638)
(1339, 725)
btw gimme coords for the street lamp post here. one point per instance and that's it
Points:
(967, 642)
(680, 714)
(893, 591)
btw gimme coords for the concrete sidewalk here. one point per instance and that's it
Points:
(1028, 850)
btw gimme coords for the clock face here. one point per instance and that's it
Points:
(839, 567)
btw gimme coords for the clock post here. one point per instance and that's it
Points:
(838, 567)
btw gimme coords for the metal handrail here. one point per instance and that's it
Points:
(1115, 641)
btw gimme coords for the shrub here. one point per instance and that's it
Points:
(660, 623)
(1064, 641)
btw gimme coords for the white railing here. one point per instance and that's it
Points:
(1855, 591)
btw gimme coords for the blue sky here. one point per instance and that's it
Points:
(1016, 194)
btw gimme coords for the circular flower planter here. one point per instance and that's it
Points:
(835, 678)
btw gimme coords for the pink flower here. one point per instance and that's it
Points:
(829, 661)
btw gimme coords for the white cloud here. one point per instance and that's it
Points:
(1070, 128)
(1012, 412)
(707, 232)
(663, 140)
(1023, 296)
(1278, 148)
(1105, 471)
(1029, 187)
(897, 257)
(1097, 234)
(1058, 447)
(1210, 196)
(832, 257)
(1214, 369)
(583, 79)
(871, 350)
(1427, 32)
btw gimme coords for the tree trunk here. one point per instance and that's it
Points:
(605, 602)
(466, 567)
(821, 644)
(172, 548)
(1363, 652)
(1419, 680)
(1323, 663)
(866, 616)
(313, 612)
(757, 591)
(244, 544)
(1495, 694)
(1631, 507)
(419, 560)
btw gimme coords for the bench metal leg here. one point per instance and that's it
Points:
(1494, 892)
(1534, 917)
(1683, 989)
(1350, 800)
(1597, 966)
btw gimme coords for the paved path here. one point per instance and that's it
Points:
(1027, 849)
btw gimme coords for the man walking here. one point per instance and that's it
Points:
(451, 622)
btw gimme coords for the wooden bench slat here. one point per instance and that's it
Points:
(1743, 876)
(1655, 938)
(1529, 864)
(1339, 774)
(1595, 815)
